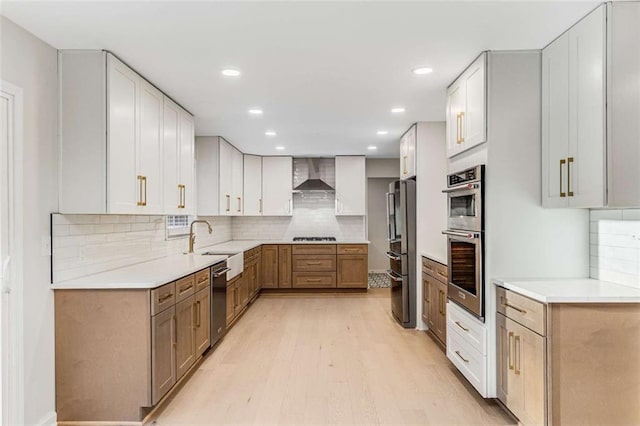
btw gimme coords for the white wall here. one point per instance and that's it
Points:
(383, 167)
(31, 64)
(615, 246)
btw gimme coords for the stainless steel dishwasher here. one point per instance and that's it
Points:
(218, 301)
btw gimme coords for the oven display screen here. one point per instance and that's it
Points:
(463, 266)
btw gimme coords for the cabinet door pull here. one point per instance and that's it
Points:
(174, 331)
(165, 298)
(404, 163)
(509, 305)
(239, 204)
(203, 279)
(516, 354)
(462, 127)
(460, 325)
(562, 161)
(461, 357)
(199, 314)
(185, 288)
(509, 356)
(140, 190)
(260, 208)
(442, 274)
(569, 191)
(228, 202)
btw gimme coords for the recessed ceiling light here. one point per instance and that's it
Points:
(397, 110)
(422, 70)
(280, 148)
(231, 73)
(255, 111)
(382, 132)
(270, 133)
(372, 148)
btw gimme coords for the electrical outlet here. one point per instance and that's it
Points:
(46, 246)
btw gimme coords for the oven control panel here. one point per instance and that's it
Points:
(474, 174)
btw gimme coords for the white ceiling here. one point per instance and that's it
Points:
(326, 74)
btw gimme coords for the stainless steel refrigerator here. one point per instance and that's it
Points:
(401, 224)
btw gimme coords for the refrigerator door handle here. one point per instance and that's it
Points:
(391, 255)
(393, 276)
(390, 206)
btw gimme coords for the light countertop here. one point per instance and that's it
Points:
(572, 290)
(150, 274)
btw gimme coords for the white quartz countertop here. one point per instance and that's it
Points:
(150, 274)
(572, 290)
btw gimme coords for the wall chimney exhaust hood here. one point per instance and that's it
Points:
(314, 174)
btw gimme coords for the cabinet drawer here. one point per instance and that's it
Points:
(202, 279)
(467, 327)
(185, 287)
(314, 249)
(318, 262)
(163, 298)
(251, 254)
(521, 309)
(314, 279)
(435, 269)
(352, 249)
(471, 363)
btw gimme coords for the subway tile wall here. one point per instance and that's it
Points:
(313, 215)
(88, 244)
(615, 246)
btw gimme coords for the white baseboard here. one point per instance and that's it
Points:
(50, 419)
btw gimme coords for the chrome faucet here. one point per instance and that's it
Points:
(192, 236)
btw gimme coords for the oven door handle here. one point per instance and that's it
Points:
(219, 272)
(462, 188)
(391, 255)
(391, 275)
(467, 235)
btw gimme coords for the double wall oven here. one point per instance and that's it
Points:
(465, 239)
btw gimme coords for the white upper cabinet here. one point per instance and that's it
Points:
(408, 153)
(227, 189)
(351, 186)
(277, 186)
(179, 157)
(237, 181)
(466, 108)
(112, 138)
(573, 115)
(252, 185)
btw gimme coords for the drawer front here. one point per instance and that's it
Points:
(313, 249)
(202, 279)
(251, 254)
(471, 363)
(468, 328)
(435, 269)
(521, 309)
(314, 280)
(185, 287)
(163, 297)
(352, 249)
(314, 263)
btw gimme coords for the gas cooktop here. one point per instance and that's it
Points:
(314, 238)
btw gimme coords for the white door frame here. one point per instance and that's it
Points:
(11, 285)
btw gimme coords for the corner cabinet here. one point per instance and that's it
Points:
(466, 114)
(112, 138)
(408, 143)
(590, 105)
(350, 186)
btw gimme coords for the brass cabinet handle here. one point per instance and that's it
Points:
(509, 305)
(516, 350)
(461, 357)
(442, 274)
(139, 177)
(184, 196)
(199, 310)
(174, 331)
(313, 263)
(404, 162)
(239, 204)
(165, 298)
(569, 191)
(509, 356)
(562, 161)
(185, 288)
(462, 127)
(181, 195)
(460, 325)
(203, 279)
(228, 202)
(260, 210)
(458, 128)
(314, 280)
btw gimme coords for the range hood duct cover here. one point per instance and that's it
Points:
(314, 182)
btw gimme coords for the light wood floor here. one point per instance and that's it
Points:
(327, 359)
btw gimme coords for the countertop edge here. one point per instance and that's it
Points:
(569, 299)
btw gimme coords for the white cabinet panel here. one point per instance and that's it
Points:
(252, 185)
(172, 193)
(149, 147)
(237, 179)
(226, 178)
(209, 203)
(277, 182)
(186, 162)
(455, 107)
(351, 185)
(124, 186)
(408, 153)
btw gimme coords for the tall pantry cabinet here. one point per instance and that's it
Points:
(112, 138)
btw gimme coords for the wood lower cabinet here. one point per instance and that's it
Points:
(231, 301)
(163, 361)
(284, 266)
(202, 321)
(185, 339)
(353, 271)
(434, 298)
(269, 266)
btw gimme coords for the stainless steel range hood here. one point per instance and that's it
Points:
(313, 174)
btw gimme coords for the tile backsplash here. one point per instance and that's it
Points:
(615, 246)
(88, 244)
